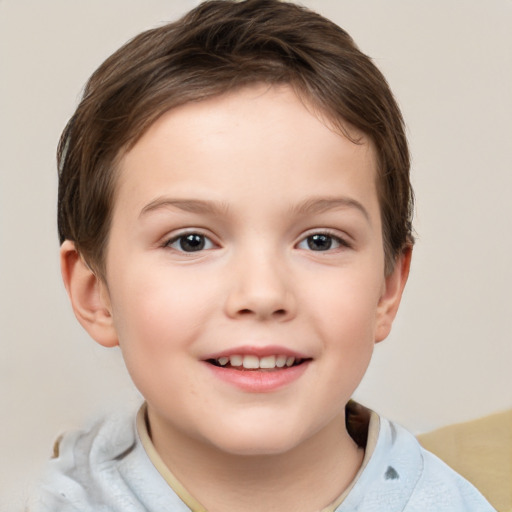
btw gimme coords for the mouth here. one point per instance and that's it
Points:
(258, 369)
(255, 363)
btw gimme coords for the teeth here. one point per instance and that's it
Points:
(251, 362)
(280, 361)
(236, 360)
(268, 362)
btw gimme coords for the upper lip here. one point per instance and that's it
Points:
(263, 351)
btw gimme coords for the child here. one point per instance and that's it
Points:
(235, 214)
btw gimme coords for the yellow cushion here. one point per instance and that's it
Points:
(481, 451)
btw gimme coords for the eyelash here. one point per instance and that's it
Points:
(203, 242)
(332, 238)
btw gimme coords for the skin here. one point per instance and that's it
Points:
(256, 174)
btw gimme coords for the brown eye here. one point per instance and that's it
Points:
(319, 242)
(190, 242)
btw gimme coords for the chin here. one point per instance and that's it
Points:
(257, 440)
(255, 447)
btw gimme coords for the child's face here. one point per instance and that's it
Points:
(243, 226)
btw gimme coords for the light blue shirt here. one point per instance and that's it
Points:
(106, 469)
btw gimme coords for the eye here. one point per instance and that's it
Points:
(321, 242)
(190, 242)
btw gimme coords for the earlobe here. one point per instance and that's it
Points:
(88, 296)
(392, 294)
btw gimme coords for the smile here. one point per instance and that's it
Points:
(252, 362)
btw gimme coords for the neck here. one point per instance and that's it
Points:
(325, 463)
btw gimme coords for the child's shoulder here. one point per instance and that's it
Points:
(445, 488)
(103, 468)
(402, 475)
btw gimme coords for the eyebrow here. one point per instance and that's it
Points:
(310, 206)
(323, 204)
(186, 205)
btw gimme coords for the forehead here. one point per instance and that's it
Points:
(238, 138)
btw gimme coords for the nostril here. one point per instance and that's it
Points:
(247, 311)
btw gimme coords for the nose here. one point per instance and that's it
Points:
(260, 287)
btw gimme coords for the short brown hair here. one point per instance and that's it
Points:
(218, 47)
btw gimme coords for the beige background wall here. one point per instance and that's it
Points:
(449, 357)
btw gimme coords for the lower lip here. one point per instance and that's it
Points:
(259, 381)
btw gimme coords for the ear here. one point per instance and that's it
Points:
(88, 295)
(392, 294)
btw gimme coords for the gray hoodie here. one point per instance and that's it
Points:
(107, 469)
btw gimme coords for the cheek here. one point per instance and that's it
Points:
(157, 311)
(156, 328)
(345, 302)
